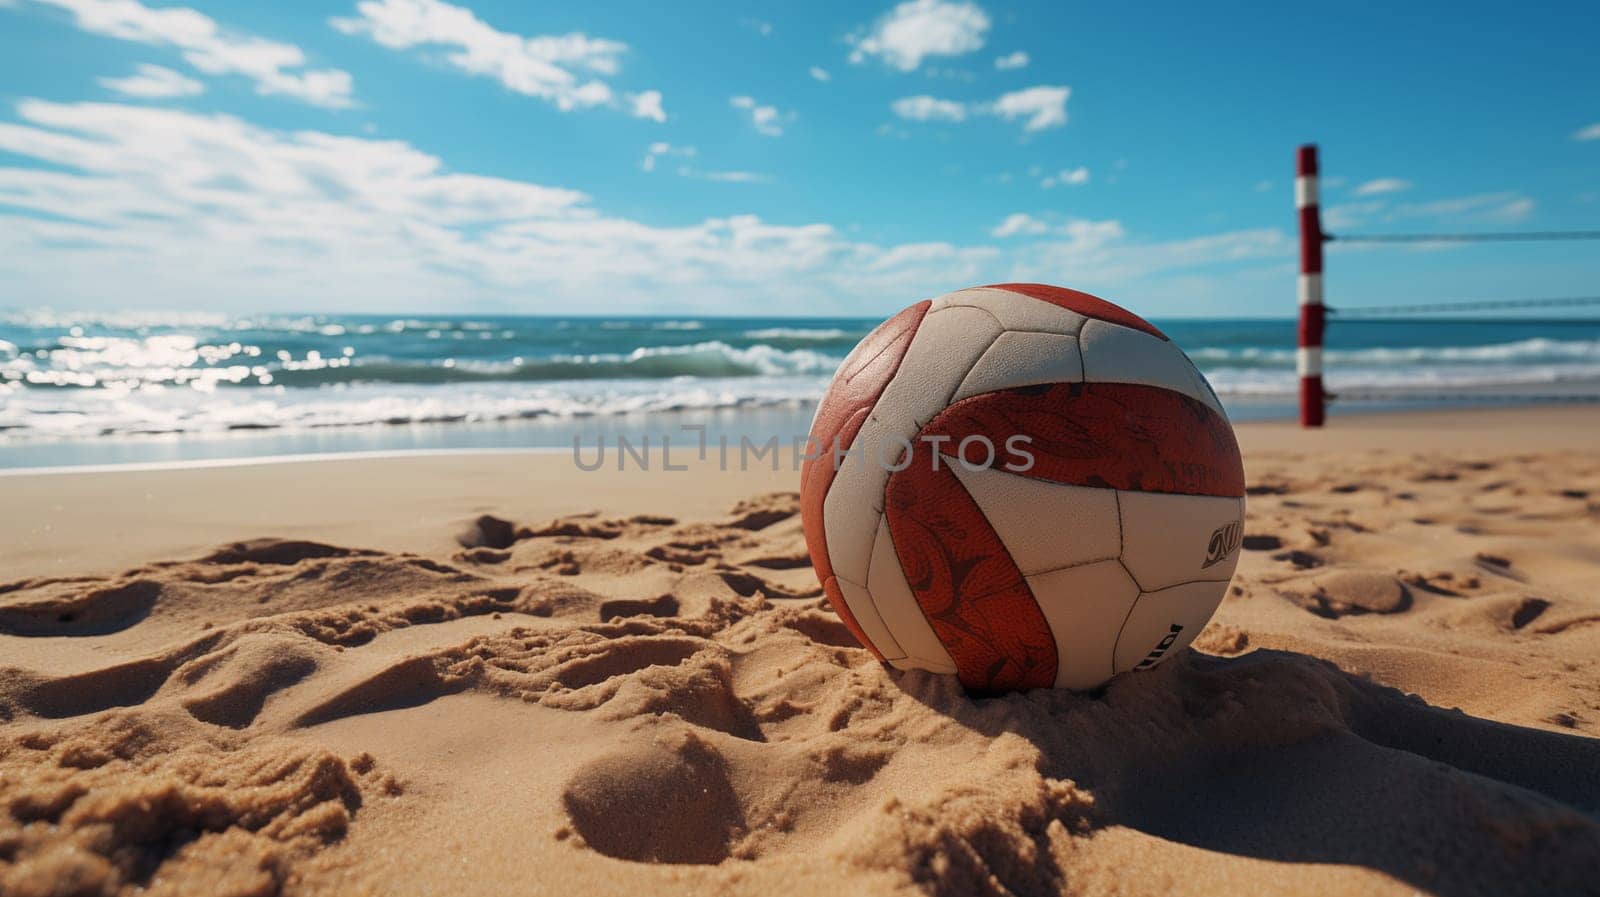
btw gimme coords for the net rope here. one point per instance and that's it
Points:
(1503, 237)
(1356, 312)
(1468, 398)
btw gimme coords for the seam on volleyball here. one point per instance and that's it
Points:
(1082, 318)
(889, 345)
(917, 430)
(1157, 333)
(1076, 343)
(901, 649)
(1187, 582)
(1122, 543)
(1122, 534)
(1076, 564)
(882, 349)
(905, 652)
(1083, 368)
(975, 362)
(1125, 617)
(998, 323)
(879, 526)
(1006, 329)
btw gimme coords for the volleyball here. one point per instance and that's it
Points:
(1023, 485)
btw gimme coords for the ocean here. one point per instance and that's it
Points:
(108, 388)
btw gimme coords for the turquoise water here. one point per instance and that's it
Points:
(106, 388)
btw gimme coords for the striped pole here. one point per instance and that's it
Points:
(1308, 355)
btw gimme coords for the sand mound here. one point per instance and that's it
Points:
(660, 803)
(144, 802)
(1399, 695)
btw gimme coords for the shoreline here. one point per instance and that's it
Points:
(155, 451)
(248, 460)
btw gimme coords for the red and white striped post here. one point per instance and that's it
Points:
(1308, 354)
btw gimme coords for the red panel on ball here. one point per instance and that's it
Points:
(1127, 436)
(1082, 303)
(839, 418)
(965, 581)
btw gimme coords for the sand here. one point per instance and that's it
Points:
(491, 674)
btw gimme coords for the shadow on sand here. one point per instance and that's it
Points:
(1282, 756)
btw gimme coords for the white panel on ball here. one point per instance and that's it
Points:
(1045, 525)
(1015, 311)
(943, 350)
(866, 614)
(1085, 607)
(1163, 623)
(1116, 354)
(1169, 539)
(1023, 358)
(898, 607)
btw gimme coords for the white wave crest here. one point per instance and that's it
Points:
(797, 333)
(1521, 351)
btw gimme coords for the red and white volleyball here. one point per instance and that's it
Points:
(1024, 485)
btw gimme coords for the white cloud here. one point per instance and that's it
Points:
(820, 73)
(758, 26)
(1263, 186)
(152, 82)
(647, 104)
(1381, 186)
(662, 148)
(199, 206)
(950, 74)
(1351, 214)
(542, 66)
(925, 108)
(1097, 255)
(1014, 60)
(727, 177)
(1043, 107)
(1069, 177)
(1592, 132)
(917, 29)
(1039, 107)
(207, 47)
(1019, 224)
(1504, 207)
(210, 211)
(1101, 232)
(767, 120)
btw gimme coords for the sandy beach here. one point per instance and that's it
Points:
(493, 673)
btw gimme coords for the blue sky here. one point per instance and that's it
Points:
(825, 158)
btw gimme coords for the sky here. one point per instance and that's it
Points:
(827, 158)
